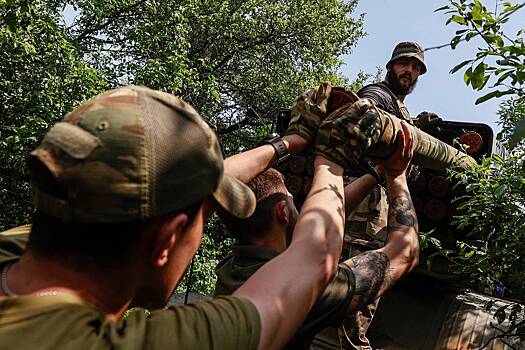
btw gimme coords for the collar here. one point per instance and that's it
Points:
(253, 251)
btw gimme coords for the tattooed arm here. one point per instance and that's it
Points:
(375, 271)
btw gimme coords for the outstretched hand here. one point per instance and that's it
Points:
(398, 163)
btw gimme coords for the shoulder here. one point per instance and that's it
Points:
(375, 91)
(221, 323)
(381, 95)
(13, 242)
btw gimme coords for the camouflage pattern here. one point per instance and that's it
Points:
(131, 154)
(348, 133)
(409, 49)
(309, 109)
(366, 224)
(314, 105)
(362, 129)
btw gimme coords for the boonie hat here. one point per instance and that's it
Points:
(409, 49)
(131, 154)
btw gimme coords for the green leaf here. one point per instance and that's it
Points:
(492, 95)
(459, 66)
(458, 19)
(467, 75)
(518, 134)
(442, 8)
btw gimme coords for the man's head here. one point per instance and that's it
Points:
(405, 66)
(275, 214)
(134, 158)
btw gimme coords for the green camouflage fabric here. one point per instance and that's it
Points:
(361, 129)
(130, 154)
(309, 109)
(314, 105)
(345, 136)
(409, 49)
(366, 224)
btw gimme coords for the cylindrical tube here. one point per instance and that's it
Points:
(364, 130)
(429, 152)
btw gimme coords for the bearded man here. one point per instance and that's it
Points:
(366, 226)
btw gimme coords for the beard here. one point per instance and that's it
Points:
(395, 83)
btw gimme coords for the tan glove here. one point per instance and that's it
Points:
(347, 133)
(314, 105)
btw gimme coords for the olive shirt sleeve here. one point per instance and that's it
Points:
(330, 309)
(221, 323)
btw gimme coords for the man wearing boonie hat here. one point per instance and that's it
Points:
(123, 186)
(366, 226)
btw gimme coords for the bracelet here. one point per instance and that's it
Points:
(277, 142)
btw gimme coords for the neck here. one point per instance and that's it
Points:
(273, 240)
(108, 289)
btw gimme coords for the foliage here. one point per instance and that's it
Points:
(237, 62)
(501, 56)
(492, 210)
(512, 115)
(42, 76)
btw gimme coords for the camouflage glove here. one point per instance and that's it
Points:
(344, 137)
(313, 106)
(427, 120)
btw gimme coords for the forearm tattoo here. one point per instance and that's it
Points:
(401, 212)
(371, 273)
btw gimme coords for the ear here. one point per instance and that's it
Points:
(281, 212)
(165, 237)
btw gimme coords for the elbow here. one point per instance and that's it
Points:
(413, 259)
(410, 252)
(328, 263)
(413, 254)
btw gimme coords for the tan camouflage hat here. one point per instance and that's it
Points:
(131, 154)
(409, 49)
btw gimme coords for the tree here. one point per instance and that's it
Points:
(237, 62)
(42, 76)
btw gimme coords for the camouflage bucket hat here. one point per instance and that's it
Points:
(132, 154)
(409, 49)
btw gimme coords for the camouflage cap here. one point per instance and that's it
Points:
(131, 154)
(409, 49)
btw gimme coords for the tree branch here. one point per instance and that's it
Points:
(111, 18)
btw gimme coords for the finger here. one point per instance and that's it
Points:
(402, 138)
(408, 140)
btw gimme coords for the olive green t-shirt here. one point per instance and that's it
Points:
(329, 310)
(66, 321)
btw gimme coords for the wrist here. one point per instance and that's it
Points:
(399, 179)
(295, 143)
(280, 148)
(320, 161)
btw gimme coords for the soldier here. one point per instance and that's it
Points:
(268, 232)
(123, 186)
(366, 226)
(403, 69)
